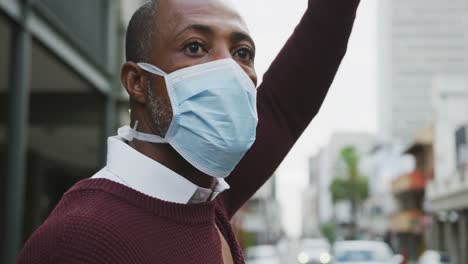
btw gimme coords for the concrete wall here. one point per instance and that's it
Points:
(450, 99)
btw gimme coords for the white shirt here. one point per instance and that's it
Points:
(129, 167)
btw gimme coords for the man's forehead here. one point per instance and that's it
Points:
(176, 12)
(225, 3)
(195, 5)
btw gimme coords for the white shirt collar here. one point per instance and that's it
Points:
(129, 167)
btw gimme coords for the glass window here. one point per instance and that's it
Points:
(86, 24)
(64, 135)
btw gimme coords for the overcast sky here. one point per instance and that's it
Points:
(350, 104)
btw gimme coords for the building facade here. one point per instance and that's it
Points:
(383, 164)
(310, 202)
(447, 193)
(417, 40)
(408, 222)
(258, 221)
(59, 95)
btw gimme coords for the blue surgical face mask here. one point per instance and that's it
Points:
(214, 115)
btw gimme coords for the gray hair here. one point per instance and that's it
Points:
(140, 32)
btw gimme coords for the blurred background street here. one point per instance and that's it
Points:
(380, 176)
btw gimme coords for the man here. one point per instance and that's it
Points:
(162, 197)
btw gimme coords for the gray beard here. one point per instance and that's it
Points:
(159, 112)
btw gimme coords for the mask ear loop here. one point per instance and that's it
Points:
(151, 69)
(130, 134)
(127, 132)
(157, 71)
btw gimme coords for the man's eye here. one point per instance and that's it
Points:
(194, 49)
(244, 54)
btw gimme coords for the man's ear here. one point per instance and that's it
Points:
(134, 80)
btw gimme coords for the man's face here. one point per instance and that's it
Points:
(193, 32)
(189, 32)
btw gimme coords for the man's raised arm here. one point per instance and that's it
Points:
(292, 92)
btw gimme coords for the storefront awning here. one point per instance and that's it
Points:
(411, 182)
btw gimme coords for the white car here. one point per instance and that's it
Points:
(265, 254)
(314, 251)
(364, 252)
(434, 257)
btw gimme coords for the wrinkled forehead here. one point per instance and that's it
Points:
(175, 14)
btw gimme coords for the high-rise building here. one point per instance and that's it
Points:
(417, 40)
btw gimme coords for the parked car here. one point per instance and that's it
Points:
(434, 257)
(264, 254)
(364, 252)
(314, 251)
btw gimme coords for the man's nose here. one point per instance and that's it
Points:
(221, 53)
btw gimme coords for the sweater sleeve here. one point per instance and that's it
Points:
(292, 92)
(41, 247)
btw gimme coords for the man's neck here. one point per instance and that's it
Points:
(167, 156)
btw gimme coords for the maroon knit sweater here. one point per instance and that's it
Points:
(99, 221)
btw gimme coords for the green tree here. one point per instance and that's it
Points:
(328, 231)
(351, 186)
